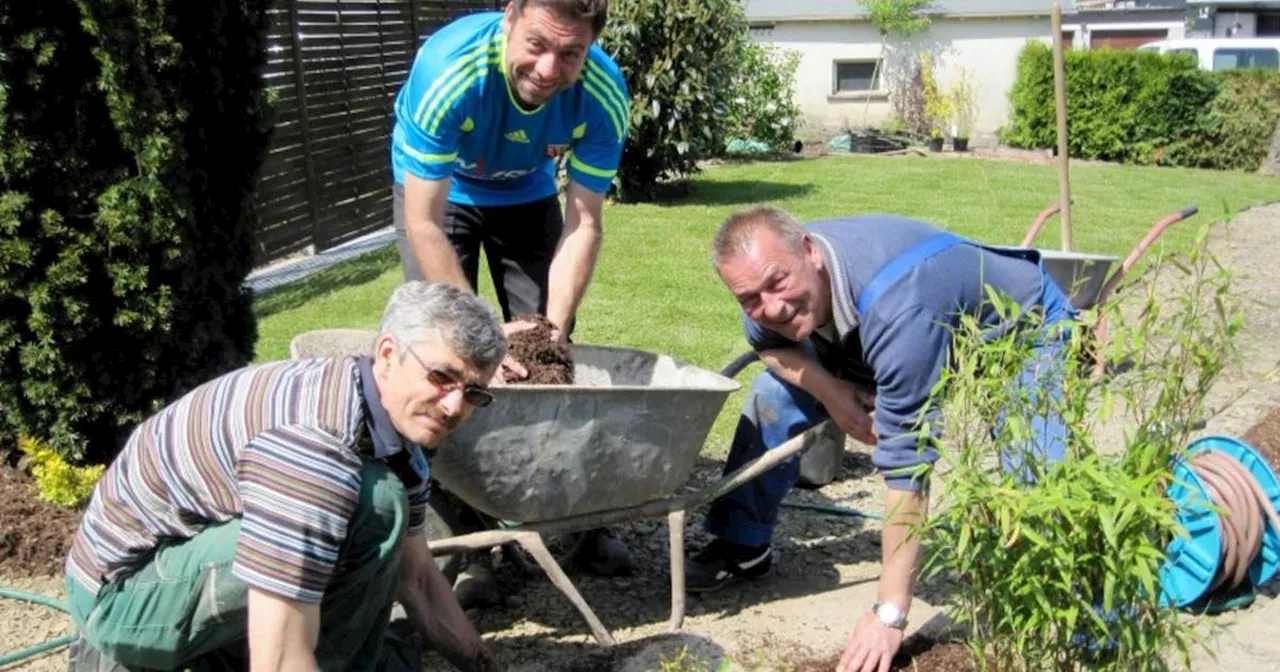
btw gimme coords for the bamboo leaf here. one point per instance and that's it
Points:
(1108, 527)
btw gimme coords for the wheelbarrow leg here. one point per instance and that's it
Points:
(533, 544)
(675, 527)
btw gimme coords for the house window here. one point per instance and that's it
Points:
(1268, 24)
(857, 76)
(760, 31)
(1231, 59)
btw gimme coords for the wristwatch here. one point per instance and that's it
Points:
(890, 615)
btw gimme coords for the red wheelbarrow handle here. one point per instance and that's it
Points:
(1100, 330)
(1141, 249)
(1039, 224)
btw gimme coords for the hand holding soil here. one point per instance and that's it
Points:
(533, 344)
(511, 370)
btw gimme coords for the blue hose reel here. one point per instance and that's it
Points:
(1192, 562)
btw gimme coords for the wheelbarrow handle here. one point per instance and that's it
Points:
(1043, 217)
(1100, 329)
(1132, 260)
(739, 363)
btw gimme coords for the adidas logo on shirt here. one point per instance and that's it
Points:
(517, 136)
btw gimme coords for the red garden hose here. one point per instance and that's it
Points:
(1246, 510)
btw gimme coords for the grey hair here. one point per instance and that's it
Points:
(735, 234)
(467, 324)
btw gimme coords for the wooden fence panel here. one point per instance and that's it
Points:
(333, 70)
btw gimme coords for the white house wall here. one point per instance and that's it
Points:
(987, 47)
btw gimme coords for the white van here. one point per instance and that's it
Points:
(1229, 53)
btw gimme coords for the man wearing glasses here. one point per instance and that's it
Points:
(270, 517)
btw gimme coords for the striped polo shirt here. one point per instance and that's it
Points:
(278, 445)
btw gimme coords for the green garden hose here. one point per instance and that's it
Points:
(835, 510)
(38, 649)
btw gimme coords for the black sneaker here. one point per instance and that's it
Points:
(603, 554)
(721, 562)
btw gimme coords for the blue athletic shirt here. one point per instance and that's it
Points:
(456, 116)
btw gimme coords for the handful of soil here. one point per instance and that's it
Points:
(548, 363)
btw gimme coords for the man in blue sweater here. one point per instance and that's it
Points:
(850, 315)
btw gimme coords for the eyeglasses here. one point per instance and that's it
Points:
(476, 395)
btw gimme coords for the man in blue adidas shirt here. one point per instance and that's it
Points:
(851, 314)
(492, 101)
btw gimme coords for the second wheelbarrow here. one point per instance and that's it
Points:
(1087, 279)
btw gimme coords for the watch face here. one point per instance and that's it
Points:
(890, 615)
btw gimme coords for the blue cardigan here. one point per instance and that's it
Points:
(902, 342)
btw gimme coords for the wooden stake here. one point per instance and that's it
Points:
(1060, 96)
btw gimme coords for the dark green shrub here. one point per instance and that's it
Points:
(1031, 110)
(130, 134)
(764, 106)
(1145, 108)
(1127, 106)
(680, 60)
(1234, 130)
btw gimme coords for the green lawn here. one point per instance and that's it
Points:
(654, 288)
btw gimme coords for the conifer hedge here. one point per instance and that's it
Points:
(130, 135)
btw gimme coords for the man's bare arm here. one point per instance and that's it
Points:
(842, 399)
(434, 611)
(424, 203)
(282, 633)
(575, 256)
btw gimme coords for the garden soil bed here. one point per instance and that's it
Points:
(918, 655)
(34, 535)
(1264, 437)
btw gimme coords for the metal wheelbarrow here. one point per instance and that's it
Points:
(615, 447)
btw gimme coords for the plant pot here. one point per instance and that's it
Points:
(935, 144)
(960, 144)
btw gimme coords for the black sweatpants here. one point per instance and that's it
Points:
(518, 241)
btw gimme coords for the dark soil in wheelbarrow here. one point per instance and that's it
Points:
(916, 655)
(1264, 437)
(548, 363)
